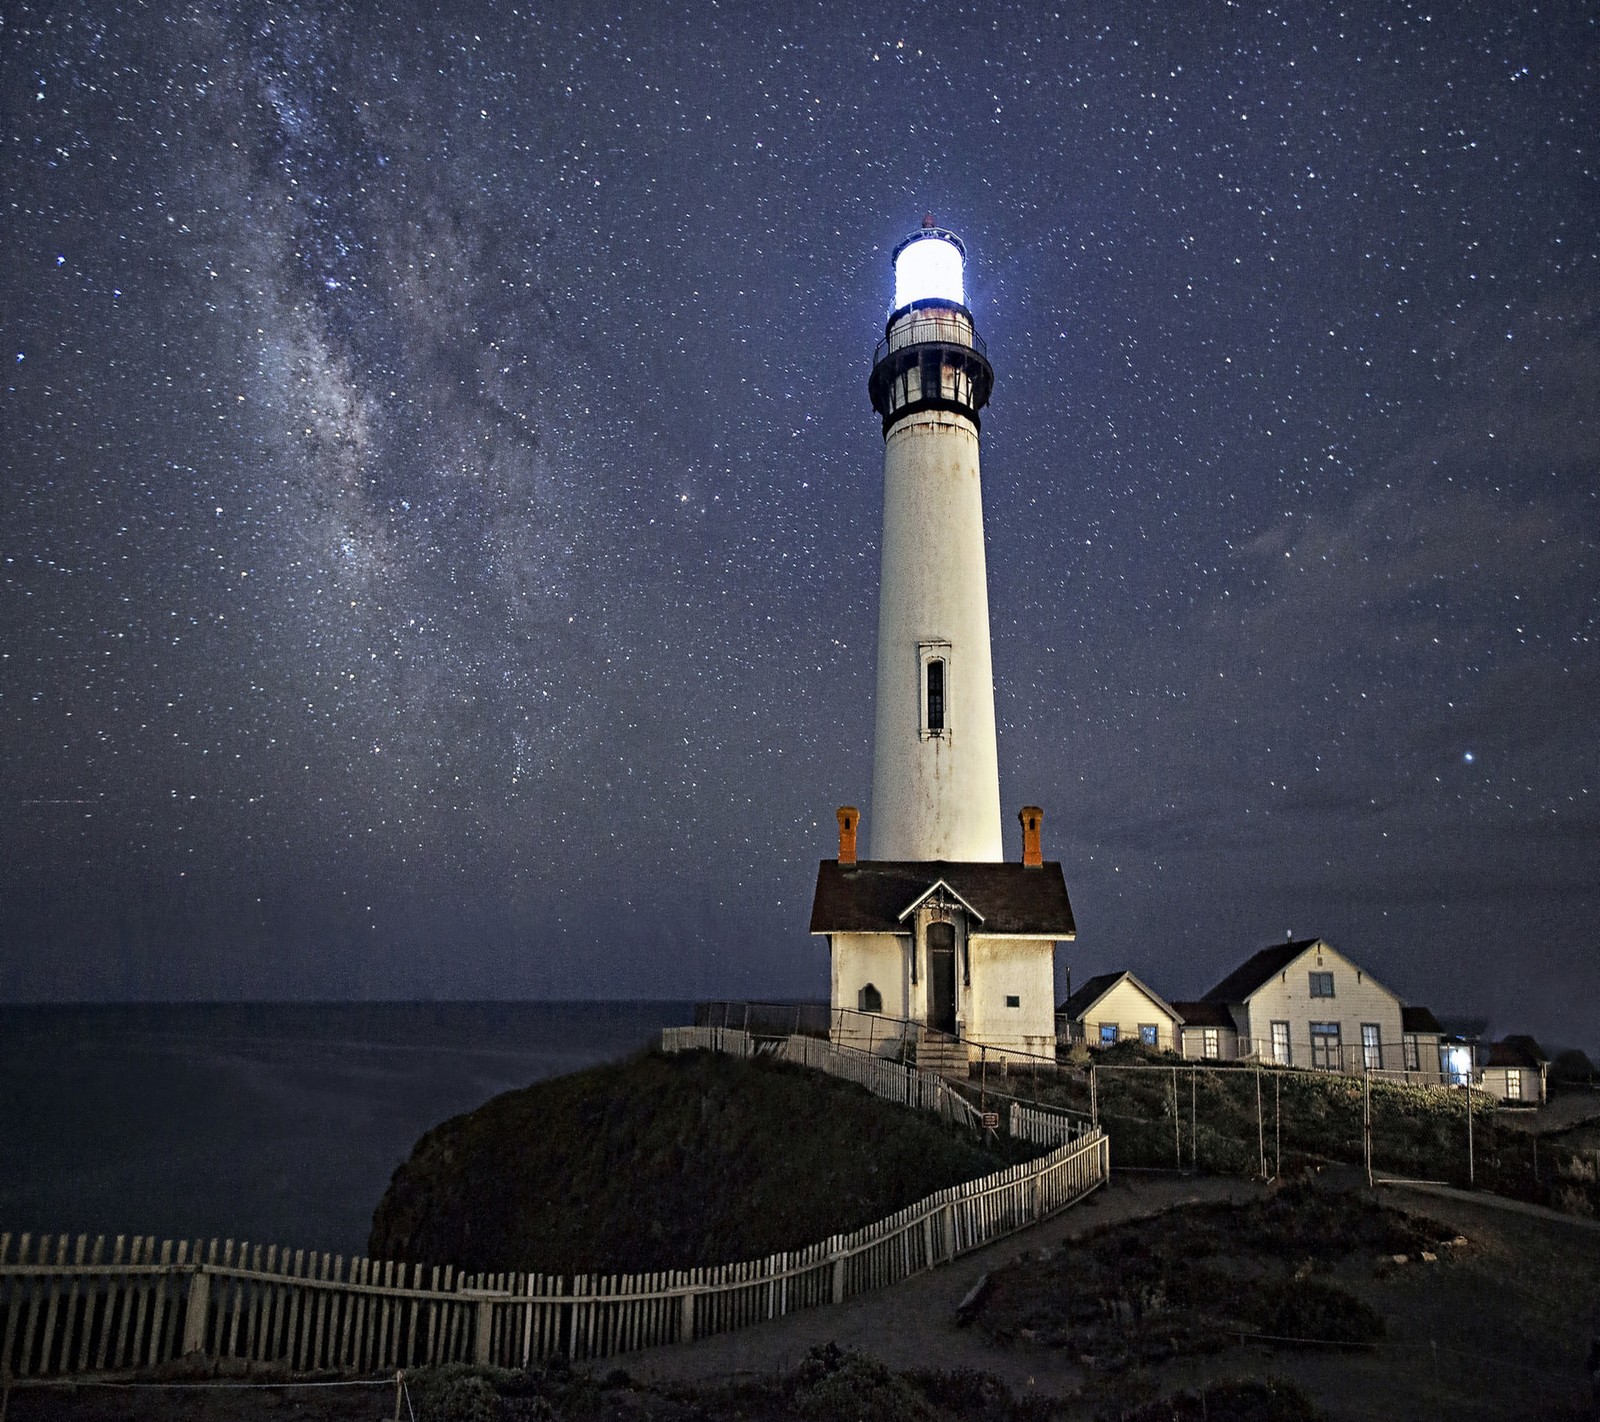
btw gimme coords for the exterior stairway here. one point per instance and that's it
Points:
(937, 1052)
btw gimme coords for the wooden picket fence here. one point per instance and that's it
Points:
(893, 1081)
(69, 1307)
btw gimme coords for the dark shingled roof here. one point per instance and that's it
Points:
(1419, 1019)
(1010, 897)
(1205, 1014)
(1244, 980)
(1516, 1051)
(1090, 993)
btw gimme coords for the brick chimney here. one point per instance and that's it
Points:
(849, 817)
(1031, 817)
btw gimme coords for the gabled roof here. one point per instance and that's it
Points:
(1419, 1019)
(1097, 987)
(873, 897)
(1516, 1051)
(928, 893)
(1205, 1014)
(1257, 969)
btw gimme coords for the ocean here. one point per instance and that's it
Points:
(278, 1123)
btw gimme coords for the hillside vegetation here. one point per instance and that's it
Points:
(1310, 1118)
(663, 1162)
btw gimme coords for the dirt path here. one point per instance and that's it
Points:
(912, 1324)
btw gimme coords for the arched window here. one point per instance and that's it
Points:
(870, 999)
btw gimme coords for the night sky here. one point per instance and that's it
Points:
(441, 500)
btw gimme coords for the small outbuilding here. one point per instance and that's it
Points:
(1209, 1032)
(1516, 1071)
(1117, 1007)
(1421, 1045)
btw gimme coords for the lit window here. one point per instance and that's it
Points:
(1108, 1034)
(1413, 1051)
(1148, 1034)
(1211, 1043)
(1371, 1047)
(1322, 985)
(871, 999)
(1513, 1086)
(1280, 1043)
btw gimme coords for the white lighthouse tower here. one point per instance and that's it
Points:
(936, 947)
(935, 770)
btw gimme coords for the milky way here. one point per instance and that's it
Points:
(441, 499)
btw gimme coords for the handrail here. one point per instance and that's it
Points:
(931, 330)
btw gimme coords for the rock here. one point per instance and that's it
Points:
(967, 1309)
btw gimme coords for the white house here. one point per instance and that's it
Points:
(1305, 1004)
(1118, 1007)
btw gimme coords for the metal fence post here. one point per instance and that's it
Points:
(1366, 1123)
(1177, 1124)
(1261, 1129)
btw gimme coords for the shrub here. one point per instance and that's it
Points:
(456, 1392)
(1239, 1400)
(834, 1384)
(1312, 1309)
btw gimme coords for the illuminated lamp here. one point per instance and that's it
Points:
(930, 266)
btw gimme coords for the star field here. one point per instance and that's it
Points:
(441, 499)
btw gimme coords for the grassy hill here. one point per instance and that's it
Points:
(663, 1162)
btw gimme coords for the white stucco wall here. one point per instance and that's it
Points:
(934, 796)
(1023, 968)
(880, 959)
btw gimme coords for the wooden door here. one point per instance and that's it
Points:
(942, 977)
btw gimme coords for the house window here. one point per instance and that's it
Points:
(1012, 1000)
(1280, 1043)
(1326, 1054)
(936, 696)
(1513, 1085)
(1322, 985)
(1413, 1053)
(1210, 1043)
(1108, 1034)
(1455, 1063)
(870, 999)
(1371, 1047)
(1148, 1034)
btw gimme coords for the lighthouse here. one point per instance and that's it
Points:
(935, 767)
(938, 948)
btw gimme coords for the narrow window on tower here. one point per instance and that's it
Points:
(933, 674)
